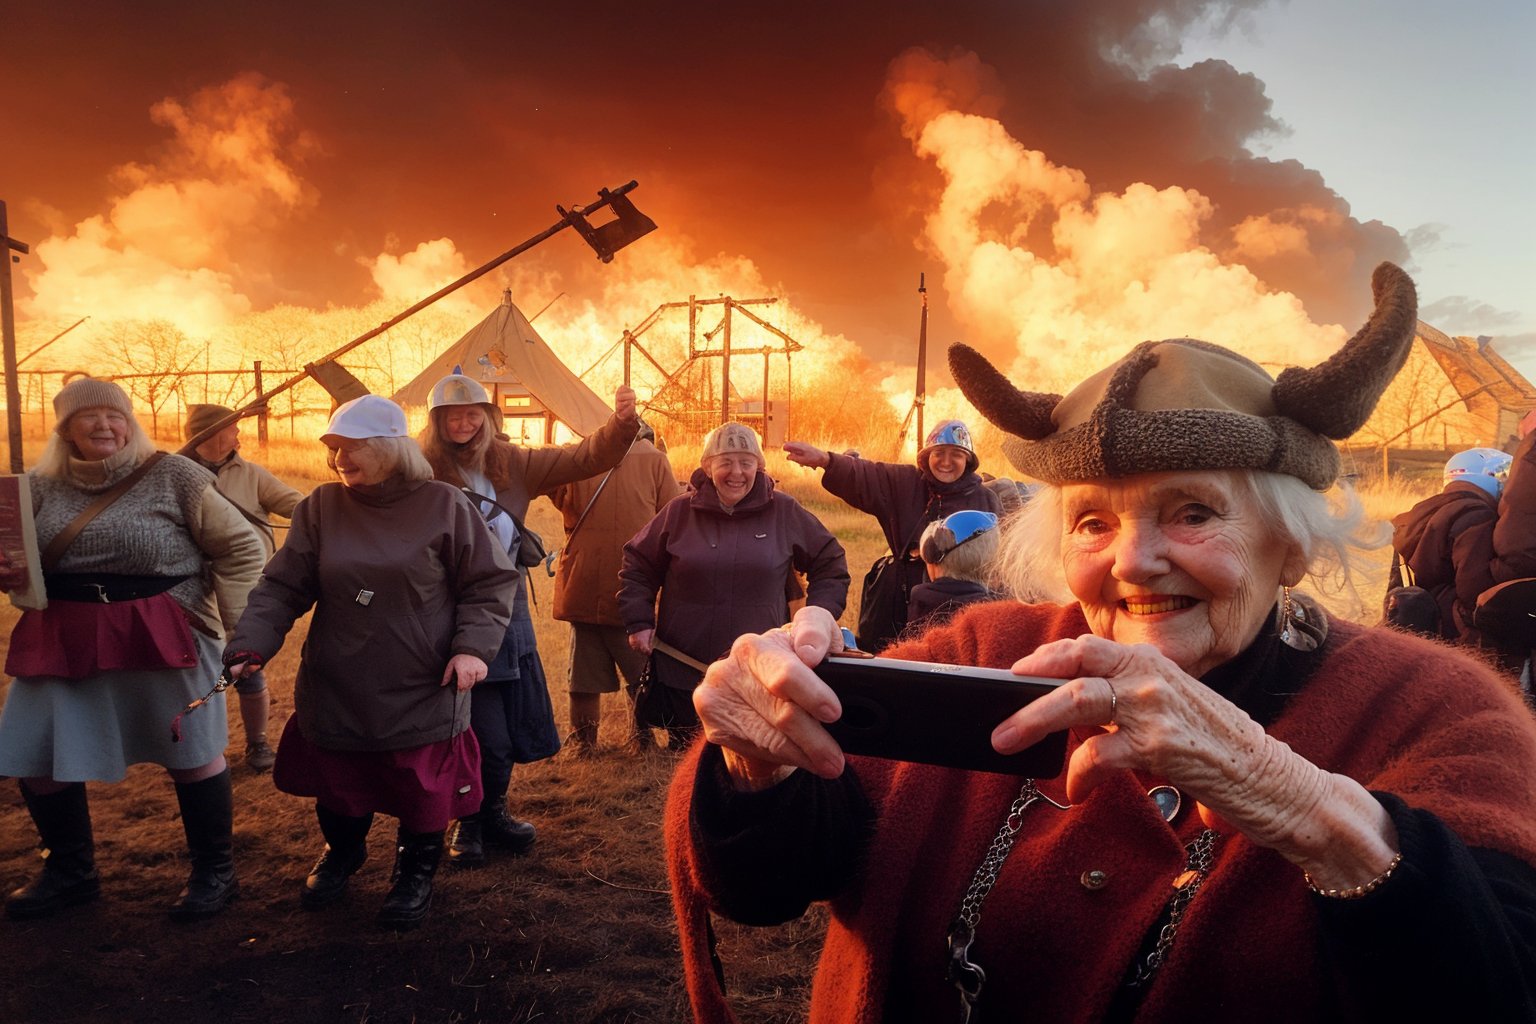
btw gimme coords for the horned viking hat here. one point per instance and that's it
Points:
(1186, 404)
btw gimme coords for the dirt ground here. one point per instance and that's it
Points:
(579, 930)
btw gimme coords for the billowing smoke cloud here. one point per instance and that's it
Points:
(1056, 277)
(171, 242)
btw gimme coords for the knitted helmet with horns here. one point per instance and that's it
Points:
(1185, 404)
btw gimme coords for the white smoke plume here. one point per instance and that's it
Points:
(1055, 279)
(171, 241)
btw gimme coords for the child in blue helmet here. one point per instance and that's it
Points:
(958, 552)
(904, 499)
(1444, 544)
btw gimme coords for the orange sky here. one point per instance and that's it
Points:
(205, 161)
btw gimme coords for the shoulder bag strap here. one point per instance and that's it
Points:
(472, 496)
(66, 536)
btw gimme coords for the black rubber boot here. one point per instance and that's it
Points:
(466, 848)
(69, 876)
(498, 829)
(207, 811)
(346, 847)
(505, 832)
(410, 896)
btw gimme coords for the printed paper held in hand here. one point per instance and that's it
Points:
(20, 566)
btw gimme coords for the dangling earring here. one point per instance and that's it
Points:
(1285, 615)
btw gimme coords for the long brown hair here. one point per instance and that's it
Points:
(439, 450)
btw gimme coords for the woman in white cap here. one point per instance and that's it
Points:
(1264, 813)
(411, 597)
(720, 556)
(512, 714)
(146, 565)
(904, 499)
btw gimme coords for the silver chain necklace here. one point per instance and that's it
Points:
(968, 977)
(965, 975)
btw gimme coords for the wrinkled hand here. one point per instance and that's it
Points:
(1169, 725)
(765, 706)
(802, 454)
(643, 641)
(624, 404)
(464, 670)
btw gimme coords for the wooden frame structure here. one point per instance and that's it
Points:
(677, 400)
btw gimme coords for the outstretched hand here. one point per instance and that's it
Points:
(802, 454)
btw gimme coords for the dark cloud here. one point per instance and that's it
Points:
(757, 132)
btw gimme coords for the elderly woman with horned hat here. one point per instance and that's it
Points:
(1264, 812)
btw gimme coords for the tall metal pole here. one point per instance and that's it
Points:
(725, 369)
(568, 218)
(922, 359)
(8, 340)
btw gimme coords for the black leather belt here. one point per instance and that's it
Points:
(105, 588)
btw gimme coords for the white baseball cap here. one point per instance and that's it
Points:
(368, 416)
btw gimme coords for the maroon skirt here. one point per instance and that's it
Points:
(75, 639)
(425, 787)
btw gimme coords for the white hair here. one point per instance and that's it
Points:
(1330, 528)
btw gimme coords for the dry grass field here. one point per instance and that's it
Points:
(580, 930)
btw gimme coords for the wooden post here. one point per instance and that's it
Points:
(922, 359)
(261, 417)
(8, 339)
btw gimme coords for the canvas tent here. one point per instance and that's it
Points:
(520, 372)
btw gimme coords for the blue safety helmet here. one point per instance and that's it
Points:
(1488, 468)
(967, 524)
(955, 434)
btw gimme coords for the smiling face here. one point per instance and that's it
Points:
(947, 463)
(732, 475)
(97, 432)
(358, 463)
(1183, 561)
(462, 422)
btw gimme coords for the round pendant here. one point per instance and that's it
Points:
(1168, 801)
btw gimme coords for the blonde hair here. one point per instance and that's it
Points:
(1330, 527)
(401, 456)
(54, 462)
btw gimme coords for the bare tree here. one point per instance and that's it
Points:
(158, 355)
(1418, 409)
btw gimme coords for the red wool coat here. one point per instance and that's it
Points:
(1399, 713)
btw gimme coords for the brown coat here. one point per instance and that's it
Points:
(521, 474)
(400, 581)
(587, 578)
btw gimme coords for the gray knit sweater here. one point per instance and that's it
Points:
(173, 522)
